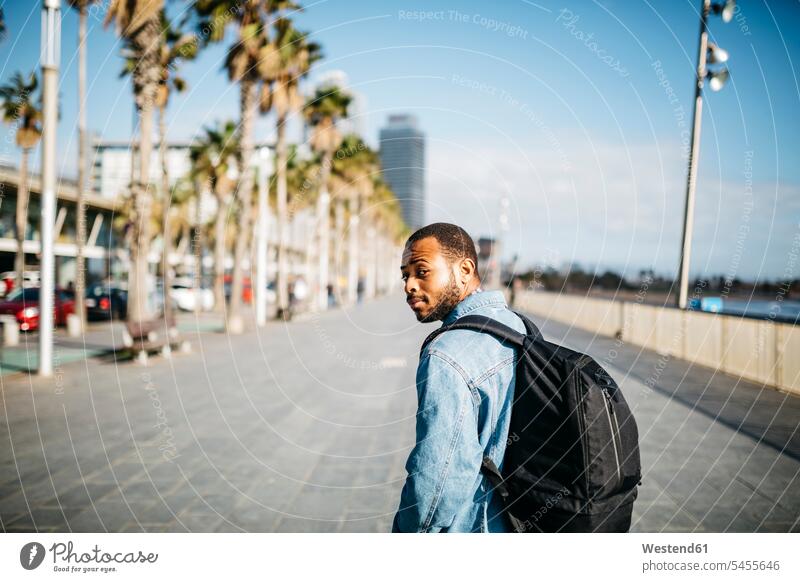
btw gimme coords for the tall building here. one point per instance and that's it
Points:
(402, 151)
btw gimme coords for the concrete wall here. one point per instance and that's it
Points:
(762, 351)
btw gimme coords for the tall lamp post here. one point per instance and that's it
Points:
(51, 44)
(709, 53)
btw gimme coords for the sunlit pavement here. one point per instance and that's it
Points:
(305, 426)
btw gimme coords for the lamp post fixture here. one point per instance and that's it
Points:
(709, 53)
(51, 48)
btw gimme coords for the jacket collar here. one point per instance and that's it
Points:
(473, 302)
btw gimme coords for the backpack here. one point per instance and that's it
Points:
(572, 455)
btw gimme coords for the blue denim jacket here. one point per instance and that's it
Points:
(465, 387)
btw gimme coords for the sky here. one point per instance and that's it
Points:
(578, 113)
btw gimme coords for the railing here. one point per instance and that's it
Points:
(763, 351)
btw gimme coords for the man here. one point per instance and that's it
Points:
(465, 383)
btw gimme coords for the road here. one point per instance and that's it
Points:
(305, 427)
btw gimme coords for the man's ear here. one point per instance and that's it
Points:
(466, 270)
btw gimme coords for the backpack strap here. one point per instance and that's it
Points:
(529, 325)
(479, 323)
(488, 325)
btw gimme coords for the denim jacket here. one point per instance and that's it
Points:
(465, 387)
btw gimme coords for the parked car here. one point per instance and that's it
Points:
(186, 298)
(24, 305)
(106, 301)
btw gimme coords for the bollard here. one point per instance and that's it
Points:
(10, 330)
(74, 325)
(235, 325)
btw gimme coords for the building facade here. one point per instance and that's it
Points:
(103, 241)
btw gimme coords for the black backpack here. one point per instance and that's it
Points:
(572, 455)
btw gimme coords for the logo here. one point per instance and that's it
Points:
(31, 555)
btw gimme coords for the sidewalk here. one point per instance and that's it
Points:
(102, 338)
(306, 426)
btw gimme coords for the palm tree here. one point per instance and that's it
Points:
(322, 110)
(355, 166)
(282, 75)
(82, 6)
(384, 217)
(176, 47)
(301, 182)
(139, 23)
(20, 108)
(249, 50)
(213, 162)
(178, 217)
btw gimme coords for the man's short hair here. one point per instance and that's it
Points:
(455, 241)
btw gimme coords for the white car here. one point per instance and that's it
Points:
(187, 298)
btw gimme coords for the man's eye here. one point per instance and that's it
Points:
(404, 277)
(422, 272)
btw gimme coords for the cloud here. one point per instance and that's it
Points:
(610, 205)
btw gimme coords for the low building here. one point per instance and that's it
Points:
(102, 241)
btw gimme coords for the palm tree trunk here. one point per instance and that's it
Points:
(248, 103)
(339, 245)
(283, 217)
(352, 254)
(138, 301)
(146, 78)
(22, 216)
(310, 254)
(371, 259)
(323, 216)
(196, 232)
(219, 256)
(80, 266)
(167, 198)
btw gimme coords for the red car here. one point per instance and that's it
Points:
(24, 305)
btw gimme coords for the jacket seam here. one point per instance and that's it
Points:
(494, 437)
(473, 391)
(445, 469)
(494, 369)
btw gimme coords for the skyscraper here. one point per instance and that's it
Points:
(402, 151)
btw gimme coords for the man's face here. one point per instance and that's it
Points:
(431, 283)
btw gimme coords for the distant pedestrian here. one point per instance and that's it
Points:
(331, 296)
(360, 290)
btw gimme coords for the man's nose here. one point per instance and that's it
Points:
(411, 286)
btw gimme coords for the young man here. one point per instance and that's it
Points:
(465, 382)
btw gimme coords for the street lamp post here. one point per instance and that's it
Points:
(708, 53)
(51, 45)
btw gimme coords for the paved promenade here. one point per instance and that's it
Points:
(306, 426)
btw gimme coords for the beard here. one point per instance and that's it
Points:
(448, 298)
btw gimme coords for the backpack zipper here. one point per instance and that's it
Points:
(582, 428)
(614, 430)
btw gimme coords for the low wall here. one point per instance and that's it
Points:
(759, 350)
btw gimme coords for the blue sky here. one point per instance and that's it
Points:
(577, 112)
